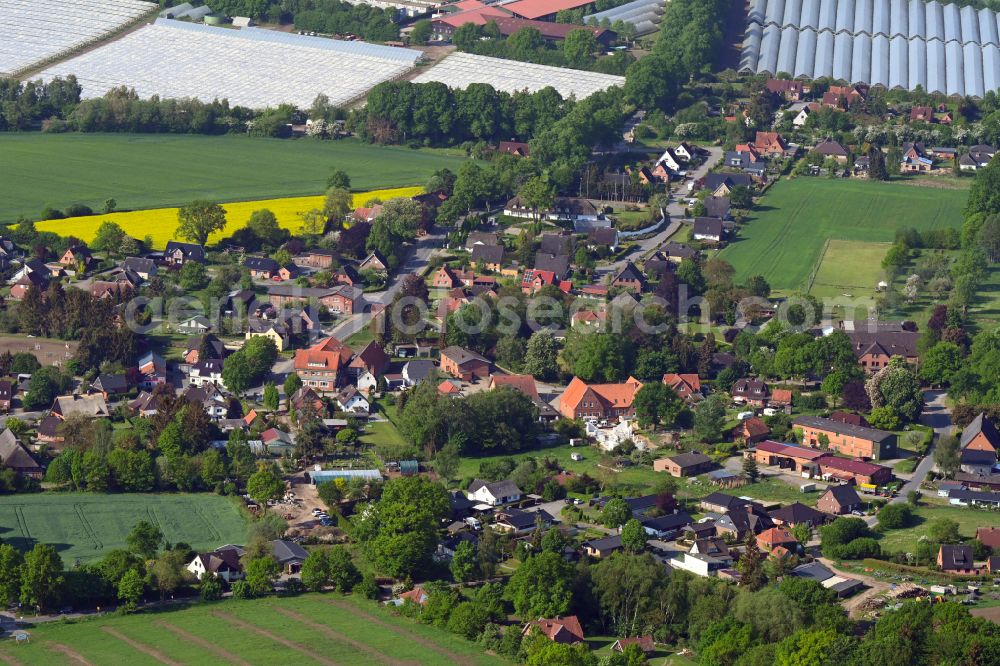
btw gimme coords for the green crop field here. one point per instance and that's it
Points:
(147, 171)
(330, 630)
(784, 236)
(85, 526)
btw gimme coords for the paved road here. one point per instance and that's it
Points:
(937, 416)
(675, 213)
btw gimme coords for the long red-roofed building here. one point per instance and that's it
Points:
(599, 401)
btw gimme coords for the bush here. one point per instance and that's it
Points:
(857, 549)
(895, 516)
(78, 210)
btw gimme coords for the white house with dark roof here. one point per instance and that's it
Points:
(495, 493)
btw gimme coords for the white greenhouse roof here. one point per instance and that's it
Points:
(890, 43)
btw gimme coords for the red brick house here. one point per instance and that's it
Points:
(342, 298)
(770, 144)
(980, 435)
(598, 401)
(839, 500)
(630, 279)
(753, 430)
(320, 366)
(464, 364)
(850, 440)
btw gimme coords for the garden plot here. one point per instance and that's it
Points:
(252, 67)
(461, 69)
(33, 31)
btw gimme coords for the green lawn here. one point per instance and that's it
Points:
(147, 171)
(85, 526)
(849, 267)
(776, 490)
(327, 629)
(968, 520)
(785, 235)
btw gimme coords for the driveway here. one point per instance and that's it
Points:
(937, 416)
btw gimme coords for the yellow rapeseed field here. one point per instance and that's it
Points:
(160, 223)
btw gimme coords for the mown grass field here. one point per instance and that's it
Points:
(968, 520)
(785, 234)
(161, 223)
(329, 630)
(148, 171)
(849, 267)
(85, 526)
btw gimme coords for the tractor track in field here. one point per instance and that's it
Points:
(203, 644)
(73, 655)
(341, 638)
(291, 645)
(403, 633)
(141, 647)
(87, 527)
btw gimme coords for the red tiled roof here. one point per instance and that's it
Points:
(523, 383)
(847, 465)
(789, 450)
(532, 9)
(560, 629)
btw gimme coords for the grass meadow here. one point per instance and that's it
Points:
(161, 170)
(161, 223)
(784, 237)
(330, 630)
(85, 526)
(968, 520)
(849, 267)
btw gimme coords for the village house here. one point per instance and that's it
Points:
(602, 547)
(956, 559)
(752, 430)
(320, 366)
(207, 371)
(630, 279)
(770, 144)
(515, 148)
(831, 149)
(875, 348)
(152, 371)
(599, 401)
(776, 537)
(222, 562)
(110, 385)
(92, 405)
(708, 229)
(667, 526)
(750, 391)
(914, 159)
(791, 89)
(839, 500)
(685, 385)
(487, 257)
(464, 364)
(520, 523)
(341, 299)
(721, 503)
(352, 401)
(722, 184)
(374, 262)
(691, 463)
(645, 643)
(850, 440)
(178, 253)
(15, 457)
(144, 268)
(318, 258)
(980, 435)
(976, 158)
(566, 630)
(496, 493)
(798, 514)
